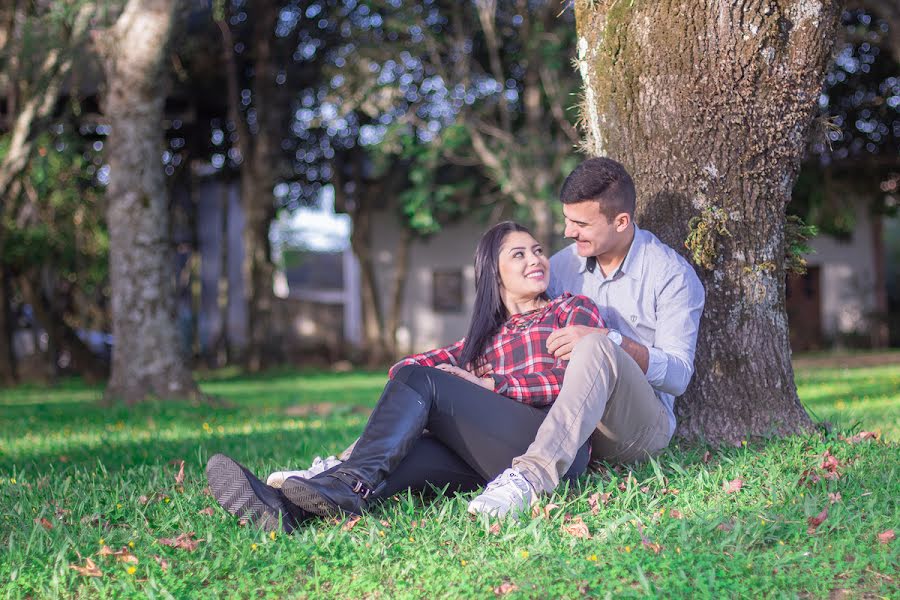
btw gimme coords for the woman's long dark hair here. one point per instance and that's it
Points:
(489, 313)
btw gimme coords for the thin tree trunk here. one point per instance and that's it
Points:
(708, 105)
(147, 355)
(257, 179)
(7, 365)
(373, 324)
(60, 334)
(880, 327)
(401, 274)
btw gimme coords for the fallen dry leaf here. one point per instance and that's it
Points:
(859, 437)
(44, 523)
(184, 541)
(675, 514)
(733, 486)
(834, 497)
(830, 465)
(89, 569)
(814, 522)
(143, 499)
(706, 457)
(645, 489)
(385, 524)
(105, 551)
(577, 528)
(645, 541)
(163, 563)
(351, 523)
(495, 528)
(652, 546)
(124, 555)
(808, 477)
(208, 511)
(179, 477)
(594, 501)
(886, 536)
(549, 508)
(725, 525)
(505, 588)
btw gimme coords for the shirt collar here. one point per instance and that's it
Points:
(632, 266)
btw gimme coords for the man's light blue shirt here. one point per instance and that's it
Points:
(654, 297)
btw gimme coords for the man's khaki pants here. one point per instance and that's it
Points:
(605, 396)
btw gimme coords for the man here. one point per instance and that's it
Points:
(621, 382)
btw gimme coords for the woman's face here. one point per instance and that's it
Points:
(524, 270)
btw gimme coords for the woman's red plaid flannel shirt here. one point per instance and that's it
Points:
(523, 368)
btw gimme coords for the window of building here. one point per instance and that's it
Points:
(447, 290)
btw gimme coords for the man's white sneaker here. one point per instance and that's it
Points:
(509, 493)
(319, 465)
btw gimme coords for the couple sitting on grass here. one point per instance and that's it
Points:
(494, 408)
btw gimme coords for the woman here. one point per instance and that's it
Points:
(437, 422)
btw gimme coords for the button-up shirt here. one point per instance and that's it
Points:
(524, 369)
(654, 297)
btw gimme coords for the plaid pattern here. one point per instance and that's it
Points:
(523, 368)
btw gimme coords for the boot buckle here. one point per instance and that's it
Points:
(361, 489)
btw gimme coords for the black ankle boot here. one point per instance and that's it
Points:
(238, 491)
(396, 423)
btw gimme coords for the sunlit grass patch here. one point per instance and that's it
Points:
(76, 478)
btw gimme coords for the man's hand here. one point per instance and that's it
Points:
(485, 382)
(562, 341)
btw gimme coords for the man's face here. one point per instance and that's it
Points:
(594, 235)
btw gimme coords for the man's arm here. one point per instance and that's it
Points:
(679, 306)
(562, 341)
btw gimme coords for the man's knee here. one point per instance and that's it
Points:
(594, 343)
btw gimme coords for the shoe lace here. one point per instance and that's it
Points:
(509, 476)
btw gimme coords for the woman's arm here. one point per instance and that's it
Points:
(448, 355)
(541, 388)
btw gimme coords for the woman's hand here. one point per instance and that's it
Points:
(485, 382)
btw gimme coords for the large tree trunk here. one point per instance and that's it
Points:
(708, 104)
(147, 356)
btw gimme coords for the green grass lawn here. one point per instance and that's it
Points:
(75, 478)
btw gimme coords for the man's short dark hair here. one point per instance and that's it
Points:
(603, 180)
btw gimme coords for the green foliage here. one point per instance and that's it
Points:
(433, 194)
(796, 234)
(65, 229)
(702, 232)
(84, 469)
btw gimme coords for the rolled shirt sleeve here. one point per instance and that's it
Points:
(671, 358)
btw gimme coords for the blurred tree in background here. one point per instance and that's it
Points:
(430, 111)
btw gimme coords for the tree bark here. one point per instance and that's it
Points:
(147, 356)
(708, 105)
